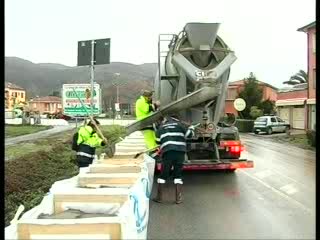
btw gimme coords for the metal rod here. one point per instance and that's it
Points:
(92, 75)
(91, 117)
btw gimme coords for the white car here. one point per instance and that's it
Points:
(270, 124)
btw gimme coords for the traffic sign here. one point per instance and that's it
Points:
(239, 104)
(101, 52)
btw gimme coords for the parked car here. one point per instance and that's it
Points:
(270, 124)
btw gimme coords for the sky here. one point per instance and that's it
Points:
(263, 33)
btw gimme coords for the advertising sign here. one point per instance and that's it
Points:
(71, 104)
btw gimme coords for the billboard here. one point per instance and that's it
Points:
(71, 104)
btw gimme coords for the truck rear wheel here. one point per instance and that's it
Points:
(230, 170)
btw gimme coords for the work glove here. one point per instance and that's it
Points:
(193, 127)
(103, 143)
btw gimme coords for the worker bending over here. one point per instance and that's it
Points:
(87, 142)
(144, 108)
(171, 136)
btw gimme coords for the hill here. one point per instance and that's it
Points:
(44, 78)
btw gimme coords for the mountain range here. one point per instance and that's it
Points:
(43, 79)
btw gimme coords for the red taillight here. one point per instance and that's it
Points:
(234, 146)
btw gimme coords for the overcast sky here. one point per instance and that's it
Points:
(263, 33)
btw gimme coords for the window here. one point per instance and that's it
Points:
(232, 93)
(314, 78)
(262, 119)
(22, 95)
(314, 42)
(16, 94)
(279, 120)
(273, 119)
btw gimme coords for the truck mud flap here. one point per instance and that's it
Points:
(214, 166)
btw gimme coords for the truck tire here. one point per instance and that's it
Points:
(230, 170)
(269, 131)
(286, 130)
(255, 132)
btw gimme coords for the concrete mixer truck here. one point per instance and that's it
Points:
(192, 80)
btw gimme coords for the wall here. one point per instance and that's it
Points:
(311, 62)
(10, 94)
(269, 93)
(43, 108)
(233, 93)
(293, 94)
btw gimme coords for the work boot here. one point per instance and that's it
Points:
(158, 198)
(161, 183)
(178, 193)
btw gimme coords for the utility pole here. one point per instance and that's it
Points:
(92, 74)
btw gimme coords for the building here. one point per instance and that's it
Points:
(291, 105)
(14, 95)
(297, 105)
(234, 88)
(48, 104)
(310, 29)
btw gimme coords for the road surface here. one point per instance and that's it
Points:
(37, 135)
(274, 200)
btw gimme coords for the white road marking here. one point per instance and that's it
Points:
(303, 207)
(289, 189)
(263, 174)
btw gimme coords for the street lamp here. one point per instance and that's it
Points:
(116, 83)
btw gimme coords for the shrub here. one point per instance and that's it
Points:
(311, 135)
(255, 112)
(244, 125)
(29, 178)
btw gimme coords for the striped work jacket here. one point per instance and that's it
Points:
(172, 135)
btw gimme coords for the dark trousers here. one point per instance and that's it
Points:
(169, 159)
(83, 161)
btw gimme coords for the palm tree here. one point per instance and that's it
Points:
(299, 77)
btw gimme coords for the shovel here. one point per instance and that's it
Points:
(148, 150)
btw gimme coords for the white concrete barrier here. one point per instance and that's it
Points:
(121, 122)
(44, 122)
(13, 121)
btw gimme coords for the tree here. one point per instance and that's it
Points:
(55, 94)
(267, 106)
(252, 94)
(255, 112)
(299, 77)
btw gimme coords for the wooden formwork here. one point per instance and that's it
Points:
(121, 161)
(111, 168)
(127, 156)
(60, 199)
(108, 180)
(64, 227)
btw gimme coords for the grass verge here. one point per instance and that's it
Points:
(298, 140)
(35, 165)
(18, 130)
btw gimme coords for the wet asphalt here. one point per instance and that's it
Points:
(38, 135)
(273, 200)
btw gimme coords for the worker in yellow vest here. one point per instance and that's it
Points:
(144, 108)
